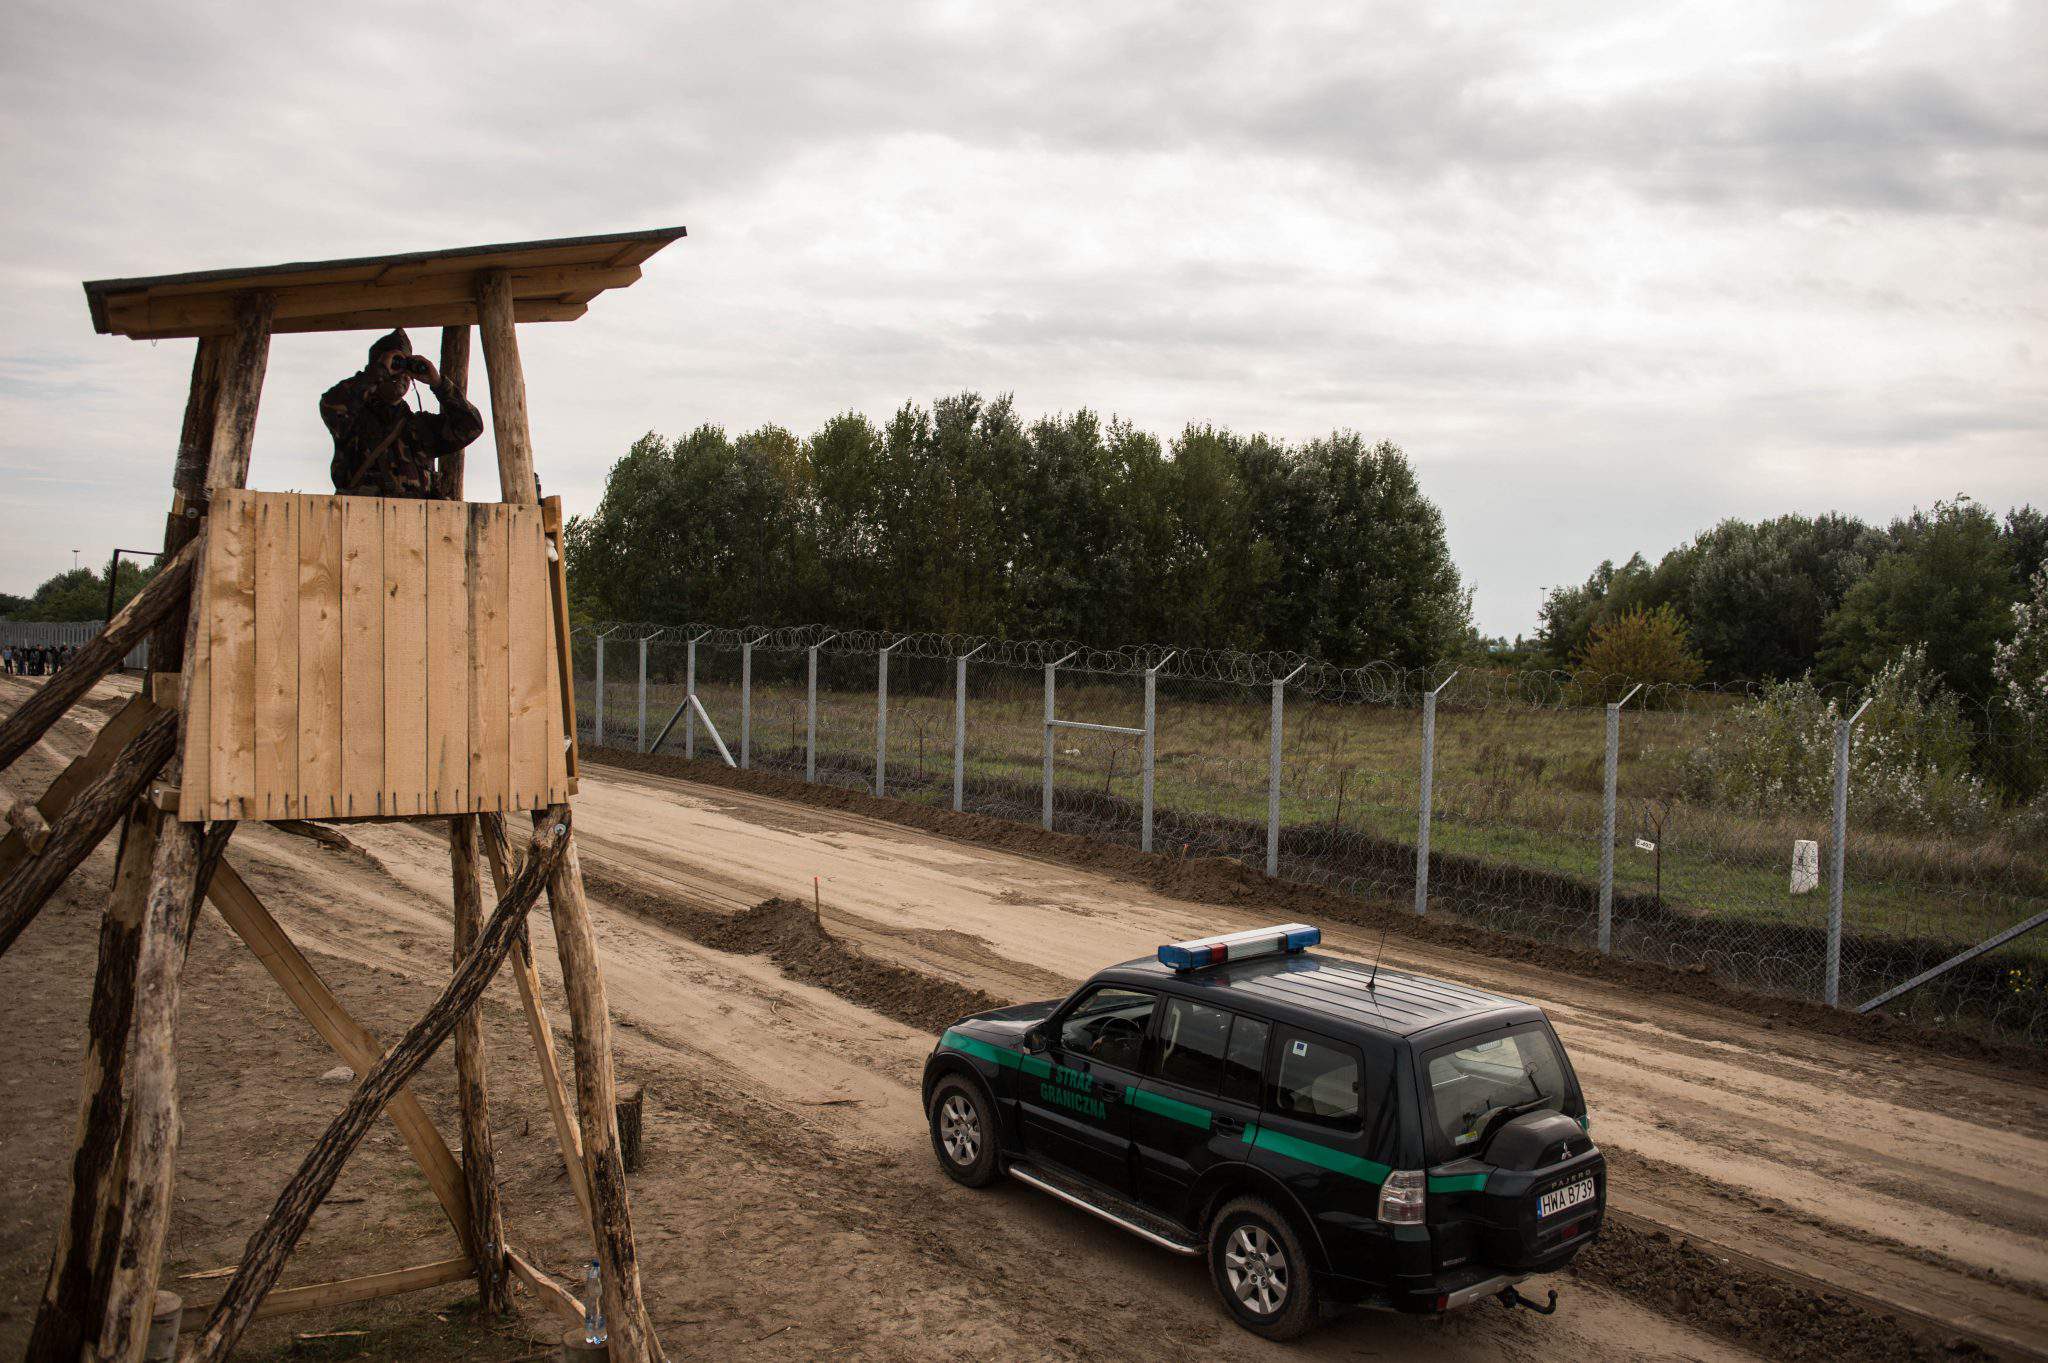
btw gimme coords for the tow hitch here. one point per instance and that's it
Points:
(1510, 1299)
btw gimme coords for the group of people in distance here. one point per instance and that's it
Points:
(34, 660)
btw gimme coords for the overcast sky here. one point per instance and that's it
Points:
(1609, 272)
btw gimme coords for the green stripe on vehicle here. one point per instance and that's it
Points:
(1322, 1156)
(1457, 1183)
(1035, 1066)
(1199, 1117)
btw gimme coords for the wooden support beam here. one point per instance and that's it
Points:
(590, 1030)
(552, 1294)
(74, 1295)
(479, 1157)
(161, 597)
(454, 370)
(149, 1141)
(87, 767)
(25, 819)
(188, 484)
(498, 853)
(273, 1241)
(287, 1301)
(508, 387)
(286, 964)
(89, 818)
(331, 306)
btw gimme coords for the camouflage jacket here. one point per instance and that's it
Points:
(386, 449)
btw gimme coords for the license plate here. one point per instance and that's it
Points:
(1559, 1199)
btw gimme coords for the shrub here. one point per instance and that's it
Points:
(1909, 766)
(1648, 646)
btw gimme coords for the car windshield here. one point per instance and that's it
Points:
(1472, 1084)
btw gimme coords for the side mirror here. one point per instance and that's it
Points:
(1034, 1040)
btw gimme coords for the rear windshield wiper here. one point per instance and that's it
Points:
(1502, 1115)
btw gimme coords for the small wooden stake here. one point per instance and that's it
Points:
(631, 1106)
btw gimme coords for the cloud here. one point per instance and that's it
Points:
(1601, 259)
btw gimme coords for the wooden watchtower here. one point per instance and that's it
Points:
(328, 657)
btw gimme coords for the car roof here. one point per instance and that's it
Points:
(1310, 988)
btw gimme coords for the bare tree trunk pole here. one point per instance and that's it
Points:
(74, 1298)
(150, 1141)
(590, 1029)
(479, 1156)
(272, 1244)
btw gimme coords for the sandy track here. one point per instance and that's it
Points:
(1923, 1183)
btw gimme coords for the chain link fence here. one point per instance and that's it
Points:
(1783, 837)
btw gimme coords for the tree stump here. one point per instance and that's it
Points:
(576, 1350)
(632, 1099)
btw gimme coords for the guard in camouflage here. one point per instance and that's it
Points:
(384, 448)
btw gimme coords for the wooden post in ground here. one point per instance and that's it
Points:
(272, 1244)
(75, 1295)
(479, 1160)
(632, 1332)
(150, 1139)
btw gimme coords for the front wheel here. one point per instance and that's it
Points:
(963, 1132)
(1261, 1270)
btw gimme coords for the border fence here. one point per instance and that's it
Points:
(1790, 839)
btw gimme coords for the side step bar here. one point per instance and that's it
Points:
(1077, 1197)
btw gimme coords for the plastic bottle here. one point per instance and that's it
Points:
(593, 1305)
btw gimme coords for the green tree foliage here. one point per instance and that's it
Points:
(1946, 583)
(1759, 596)
(1642, 646)
(77, 594)
(962, 517)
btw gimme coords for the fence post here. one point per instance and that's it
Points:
(1273, 772)
(811, 711)
(882, 718)
(690, 689)
(1607, 802)
(1428, 796)
(746, 704)
(597, 735)
(960, 723)
(1149, 749)
(1045, 802)
(1832, 991)
(642, 741)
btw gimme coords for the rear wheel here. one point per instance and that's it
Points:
(963, 1132)
(1261, 1270)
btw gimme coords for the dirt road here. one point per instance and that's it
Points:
(789, 1206)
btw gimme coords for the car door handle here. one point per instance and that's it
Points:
(1229, 1126)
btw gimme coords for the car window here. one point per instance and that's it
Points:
(1318, 1080)
(1109, 1026)
(1472, 1084)
(1192, 1040)
(1244, 1066)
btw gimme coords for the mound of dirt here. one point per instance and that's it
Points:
(1221, 880)
(786, 932)
(1775, 1318)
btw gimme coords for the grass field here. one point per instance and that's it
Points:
(1515, 785)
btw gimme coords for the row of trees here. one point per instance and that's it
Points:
(963, 517)
(1826, 595)
(76, 594)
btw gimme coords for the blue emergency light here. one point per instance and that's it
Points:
(1239, 946)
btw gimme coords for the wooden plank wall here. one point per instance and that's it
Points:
(369, 656)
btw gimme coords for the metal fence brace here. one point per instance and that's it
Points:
(1607, 808)
(1427, 798)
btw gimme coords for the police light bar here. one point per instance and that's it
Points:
(1239, 946)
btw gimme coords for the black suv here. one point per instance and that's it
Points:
(1327, 1133)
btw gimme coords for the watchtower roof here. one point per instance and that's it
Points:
(552, 281)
